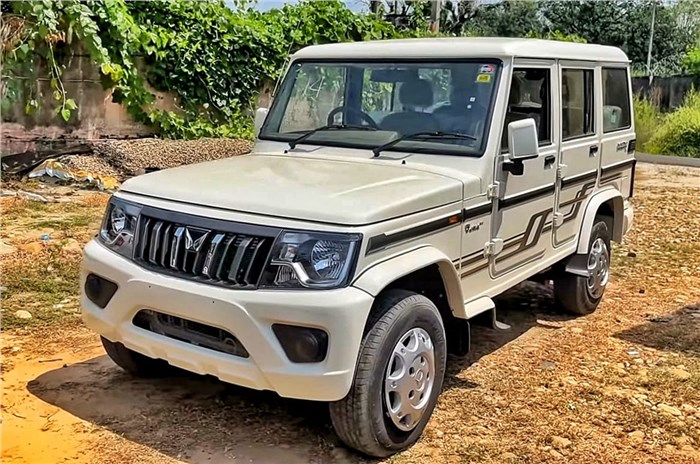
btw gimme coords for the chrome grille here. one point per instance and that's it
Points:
(209, 255)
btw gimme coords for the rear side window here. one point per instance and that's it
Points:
(577, 103)
(616, 99)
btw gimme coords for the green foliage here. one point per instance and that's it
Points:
(557, 35)
(213, 59)
(679, 133)
(624, 24)
(508, 18)
(691, 62)
(647, 119)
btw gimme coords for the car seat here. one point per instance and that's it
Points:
(414, 94)
(464, 113)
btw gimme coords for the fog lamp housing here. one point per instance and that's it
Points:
(302, 344)
(99, 290)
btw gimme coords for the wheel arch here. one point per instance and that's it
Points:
(428, 264)
(607, 203)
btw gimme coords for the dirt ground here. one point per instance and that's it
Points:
(619, 386)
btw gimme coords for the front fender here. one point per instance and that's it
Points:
(592, 209)
(377, 277)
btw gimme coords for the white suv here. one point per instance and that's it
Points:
(394, 189)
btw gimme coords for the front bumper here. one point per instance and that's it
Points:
(247, 314)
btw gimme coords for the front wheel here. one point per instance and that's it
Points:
(581, 295)
(399, 375)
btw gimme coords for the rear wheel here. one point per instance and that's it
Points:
(399, 376)
(581, 295)
(135, 363)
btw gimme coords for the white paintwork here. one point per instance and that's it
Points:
(260, 115)
(478, 306)
(330, 190)
(463, 47)
(376, 277)
(334, 189)
(629, 217)
(589, 217)
(249, 315)
(522, 139)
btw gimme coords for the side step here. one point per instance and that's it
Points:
(482, 305)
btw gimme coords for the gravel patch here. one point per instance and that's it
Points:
(127, 158)
(133, 157)
(91, 163)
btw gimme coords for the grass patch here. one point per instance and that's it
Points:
(647, 119)
(36, 283)
(15, 208)
(46, 283)
(69, 223)
(680, 132)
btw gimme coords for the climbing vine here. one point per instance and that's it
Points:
(211, 58)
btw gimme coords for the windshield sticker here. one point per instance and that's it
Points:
(483, 78)
(487, 69)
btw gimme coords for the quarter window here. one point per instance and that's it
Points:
(577, 103)
(616, 99)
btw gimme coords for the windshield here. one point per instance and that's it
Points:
(393, 98)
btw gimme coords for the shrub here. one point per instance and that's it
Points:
(679, 133)
(647, 119)
(556, 35)
(692, 61)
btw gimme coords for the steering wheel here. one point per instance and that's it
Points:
(364, 116)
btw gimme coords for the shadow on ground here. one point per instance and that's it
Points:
(202, 420)
(522, 307)
(678, 332)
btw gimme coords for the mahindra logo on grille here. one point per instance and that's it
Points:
(195, 238)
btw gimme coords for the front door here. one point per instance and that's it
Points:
(525, 204)
(580, 149)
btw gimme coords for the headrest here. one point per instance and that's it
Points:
(416, 93)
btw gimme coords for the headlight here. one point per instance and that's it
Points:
(311, 260)
(119, 226)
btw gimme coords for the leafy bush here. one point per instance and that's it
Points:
(692, 61)
(647, 119)
(213, 59)
(679, 133)
(556, 35)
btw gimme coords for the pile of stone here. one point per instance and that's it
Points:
(127, 158)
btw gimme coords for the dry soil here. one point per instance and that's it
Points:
(619, 386)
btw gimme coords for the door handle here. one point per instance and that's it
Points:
(549, 161)
(593, 151)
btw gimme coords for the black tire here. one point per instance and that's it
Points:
(135, 363)
(361, 419)
(571, 292)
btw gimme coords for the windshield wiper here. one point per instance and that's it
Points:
(294, 142)
(423, 136)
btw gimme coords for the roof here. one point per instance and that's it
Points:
(464, 47)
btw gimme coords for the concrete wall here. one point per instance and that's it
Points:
(96, 117)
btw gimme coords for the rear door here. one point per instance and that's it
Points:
(617, 164)
(580, 150)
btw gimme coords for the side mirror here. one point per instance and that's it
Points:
(260, 115)
(522, 145)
